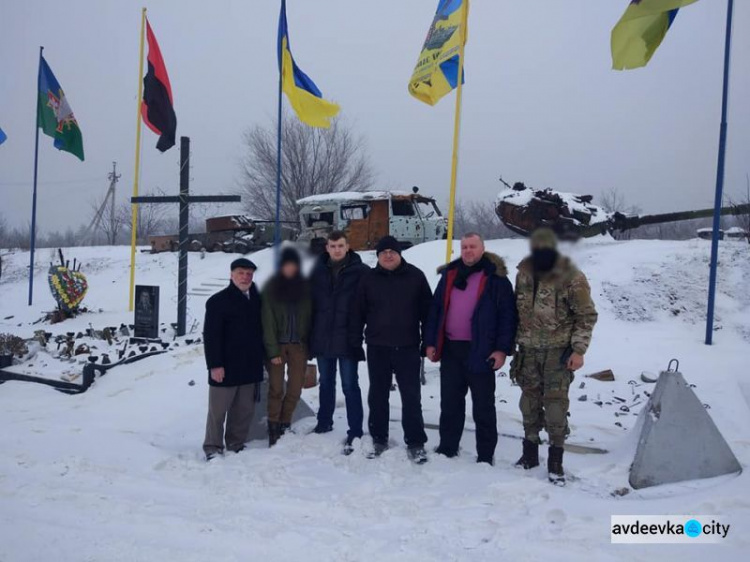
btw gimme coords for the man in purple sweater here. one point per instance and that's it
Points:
(471, 329)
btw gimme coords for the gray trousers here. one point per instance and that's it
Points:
(237, 405)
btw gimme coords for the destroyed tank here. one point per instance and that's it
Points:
(523, 209)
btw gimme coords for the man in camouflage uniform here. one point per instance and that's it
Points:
(556, 318)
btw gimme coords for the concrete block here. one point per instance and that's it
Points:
(259, 427)
(678, 439)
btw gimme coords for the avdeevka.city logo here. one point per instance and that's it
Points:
(693, 528)
(668, 529)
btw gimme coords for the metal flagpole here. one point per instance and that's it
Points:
(719, 180)
(33, 197)
(277, 226)
(134, 214)
(456, 134)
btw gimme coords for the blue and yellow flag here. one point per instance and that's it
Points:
(436, 73)
(303, 94)
(641, 30)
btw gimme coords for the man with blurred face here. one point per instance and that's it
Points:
(233, 344)
(557, 318)
(391, 306)
(334, 282)
(471, 330)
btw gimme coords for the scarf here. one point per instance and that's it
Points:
(464, 271)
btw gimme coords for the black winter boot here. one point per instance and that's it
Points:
(274, 432)
(555, 466)
(530, 457)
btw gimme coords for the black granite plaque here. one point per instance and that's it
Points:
(146, 311)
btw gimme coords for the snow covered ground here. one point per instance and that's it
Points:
(117, 473)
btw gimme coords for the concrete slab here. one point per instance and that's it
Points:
(259, 427)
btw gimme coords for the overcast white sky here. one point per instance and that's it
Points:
(541, 104)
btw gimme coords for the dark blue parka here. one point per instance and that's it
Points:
(494, 322)
(332, 304)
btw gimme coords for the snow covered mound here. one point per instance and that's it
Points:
(117, 473)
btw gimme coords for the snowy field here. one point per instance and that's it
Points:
(117, 473)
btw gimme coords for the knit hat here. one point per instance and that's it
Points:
(289, 254)
(543, 238)
(388, 243)
(244, 263)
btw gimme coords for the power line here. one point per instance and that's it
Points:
(16, 183)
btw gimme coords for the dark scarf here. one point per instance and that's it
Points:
(288, 290)
(464, 271)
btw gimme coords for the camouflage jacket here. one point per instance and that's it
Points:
(560, 314)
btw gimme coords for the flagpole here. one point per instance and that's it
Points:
(134, 207)
(277, 226)
(456, 134)
(719, 179)
(33, 197)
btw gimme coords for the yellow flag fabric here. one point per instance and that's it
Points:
(641, 30)
(304, 96)
(436, 73)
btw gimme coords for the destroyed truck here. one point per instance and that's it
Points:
(368, 216)
(233, 233)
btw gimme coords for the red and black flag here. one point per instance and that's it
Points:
(157, 108)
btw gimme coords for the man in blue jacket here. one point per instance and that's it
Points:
(333, 284)
(471, 330)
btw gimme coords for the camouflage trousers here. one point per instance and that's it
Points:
(544, 383)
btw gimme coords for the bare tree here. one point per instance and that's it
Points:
(151, 220)
(314, 161)
(109, 226)
(480, 217)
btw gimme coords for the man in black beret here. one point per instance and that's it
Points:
(233, 344)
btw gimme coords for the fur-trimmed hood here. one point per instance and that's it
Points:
(495, 264)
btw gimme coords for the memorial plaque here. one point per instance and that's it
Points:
(146, 311)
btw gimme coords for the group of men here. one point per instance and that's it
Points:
(472, 324)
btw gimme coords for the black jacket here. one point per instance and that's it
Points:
(494, 322)
(331, 306)
(394, 306)
(233, 337)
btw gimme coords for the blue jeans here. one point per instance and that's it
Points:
(352, 393)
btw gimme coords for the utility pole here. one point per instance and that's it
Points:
(113, 177)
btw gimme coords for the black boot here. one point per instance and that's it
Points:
(530, 457)
(274, 432)
(555, 466)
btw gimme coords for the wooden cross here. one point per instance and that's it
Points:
(184, 199)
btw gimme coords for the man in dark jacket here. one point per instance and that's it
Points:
(233, 343)
(471, 329)
(333, 282)
(393, 301)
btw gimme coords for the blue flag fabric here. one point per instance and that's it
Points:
(3, 137)
(304, 96)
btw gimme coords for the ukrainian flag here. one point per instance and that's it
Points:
(641, 30)
(436, 73)
(301, 91)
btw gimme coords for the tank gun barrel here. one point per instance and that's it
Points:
(622, 222)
